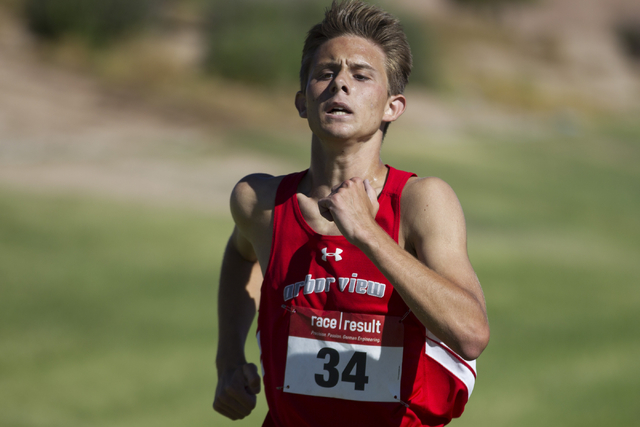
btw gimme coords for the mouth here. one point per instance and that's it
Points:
(338, 109)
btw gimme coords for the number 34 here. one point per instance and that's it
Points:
(358, 362)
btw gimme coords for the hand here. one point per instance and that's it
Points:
(353, 206)
(236, 391)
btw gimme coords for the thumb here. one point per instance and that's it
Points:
(324, 207)
(251, 377)
(370, 192)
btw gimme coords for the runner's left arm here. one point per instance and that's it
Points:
(436, 279)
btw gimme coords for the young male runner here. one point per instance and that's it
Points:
(369, 312)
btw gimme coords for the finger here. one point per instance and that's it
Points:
(240, 398)
(325, 211)
(337, 187)
(229, 411)
(252, 378)
(238, 402)
(223, 409)
(373, 196)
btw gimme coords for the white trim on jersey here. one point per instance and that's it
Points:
(464, 370)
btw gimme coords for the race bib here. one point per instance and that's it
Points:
(344, 355)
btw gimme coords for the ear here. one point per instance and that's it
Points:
(395, 107)
(301, 104)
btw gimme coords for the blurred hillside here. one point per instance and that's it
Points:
(578, 54)
(85, 109)
(87, 115)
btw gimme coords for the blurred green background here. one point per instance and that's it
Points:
(125, 124)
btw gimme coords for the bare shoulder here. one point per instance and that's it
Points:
(434, 229)
(430, 199)
(432, 221)
(253, 199)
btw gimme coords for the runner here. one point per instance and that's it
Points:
(370, 312)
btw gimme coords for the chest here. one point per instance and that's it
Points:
(311, 214)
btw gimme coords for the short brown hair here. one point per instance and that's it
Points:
(356, 18)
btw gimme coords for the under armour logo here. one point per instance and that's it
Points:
(336, 254)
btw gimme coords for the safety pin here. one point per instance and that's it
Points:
(286, 307)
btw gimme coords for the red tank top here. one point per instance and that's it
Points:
(338, 345)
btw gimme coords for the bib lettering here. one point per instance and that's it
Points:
(347, 356)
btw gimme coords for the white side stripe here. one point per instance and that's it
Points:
(465, 371)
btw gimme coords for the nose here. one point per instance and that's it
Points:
(340, 83)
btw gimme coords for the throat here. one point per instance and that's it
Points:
(314, 219)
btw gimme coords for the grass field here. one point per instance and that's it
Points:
(107, 309)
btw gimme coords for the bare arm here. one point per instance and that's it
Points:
(435, 279)
(238, 297)
(238, 382)
(239, 293)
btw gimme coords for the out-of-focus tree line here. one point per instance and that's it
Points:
(475, 48)
(251, 41)
(98, 22)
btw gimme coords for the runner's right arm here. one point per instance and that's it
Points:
(252, 202)
(240, 278)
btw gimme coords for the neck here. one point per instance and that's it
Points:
(332, 164)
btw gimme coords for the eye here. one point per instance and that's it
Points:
(326, 75)
(360, 77)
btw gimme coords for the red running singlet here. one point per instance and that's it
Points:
(338, 345)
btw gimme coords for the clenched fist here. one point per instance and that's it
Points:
(236, 391)
(353, 206)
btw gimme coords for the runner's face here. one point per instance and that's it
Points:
(346, 95)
